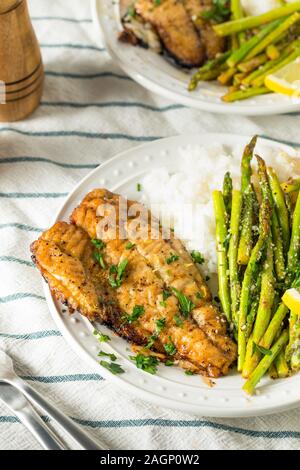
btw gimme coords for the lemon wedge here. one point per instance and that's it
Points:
(291, 299)
(286, 80)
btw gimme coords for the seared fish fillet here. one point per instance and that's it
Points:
(175, 29)
(202, 339)
(65, 255)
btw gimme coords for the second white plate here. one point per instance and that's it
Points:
(153, 72)
(170, 387)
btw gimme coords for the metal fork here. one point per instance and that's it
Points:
(8, 375)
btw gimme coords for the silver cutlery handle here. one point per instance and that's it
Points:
(34, 423)
(66, 423)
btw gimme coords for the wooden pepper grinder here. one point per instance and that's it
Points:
(21, 67)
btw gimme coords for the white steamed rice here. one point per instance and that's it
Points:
(185, 197)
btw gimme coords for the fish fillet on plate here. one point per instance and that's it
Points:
(159, 281)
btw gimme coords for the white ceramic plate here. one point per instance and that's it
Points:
(154, 73)
(170, 387)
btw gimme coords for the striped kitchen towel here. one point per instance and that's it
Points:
(90, 111)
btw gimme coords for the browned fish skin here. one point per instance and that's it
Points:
(65, 256)
(175, 29)
(214, 44)
(202, 340)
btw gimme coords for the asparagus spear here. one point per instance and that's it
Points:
(254, 305)
(264, 312)
(245, 94)
(267, 296)
(227, 75)
(273, 52)
(250, 22)
(205, 76)
(212, 68)
(237, 79)
(265, 363)
(227, 194)
(282, 366)
(280, 206)
(293, 350)
(245, 243)
(222, 234)
(235, 287)
(250, 277)
(273, 371)
(252, 64)
(290, 58)
(294, 251)
(265, 68)
(276, 232)
(237, 13)
(291, 186)
(273, 36)
(274, 326)
(244, 51)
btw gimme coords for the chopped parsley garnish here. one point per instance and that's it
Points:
(199, 295)
(116, 273)
(189, 372)
(113, 367)
(112, 357)
(157, 3)
(137, 311)
(139, 187)
(178, 320)
(186, 305)
(218, 12)
(166, 294)
(129, 246)
(163, 303)
(146, 363)
(169, 363)
(160, 324)
(151, 341)
(264, 351)
(99, 258)
(197, 257)
(131, 11)
(170, 347)
(172, 258)
(98, 244)
(101, 337)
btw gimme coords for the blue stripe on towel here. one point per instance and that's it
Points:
(88, 135)
(54, 379)
(25, 159)
(165, 423)
(25, 227)
(12, 259)
(32, 336)
(32, 195)
(20, 296)
(90, 76)
(115, 104)
(72, 46)
(61, 18)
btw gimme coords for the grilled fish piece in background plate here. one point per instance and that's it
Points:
(65, 255)
(213, 43)
(171, 23)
